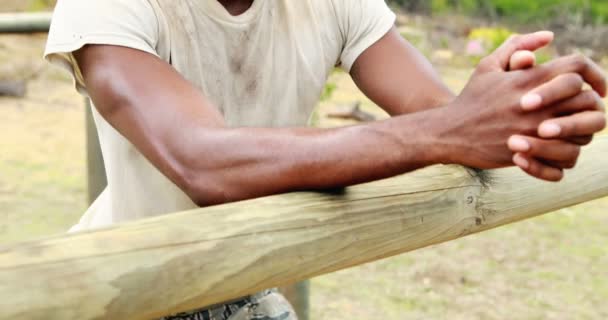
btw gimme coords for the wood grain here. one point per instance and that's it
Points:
(184, 261)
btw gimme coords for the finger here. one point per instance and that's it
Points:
(552, 150)
(531, 42)
(581, 141)
(561, 87)
(562, 165)
(579, 124)
(537, 169)
(585, 101)
(521, 60)
(589, 70)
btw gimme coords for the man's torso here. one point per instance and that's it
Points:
(266, 67)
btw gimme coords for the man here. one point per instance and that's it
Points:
(202, 102)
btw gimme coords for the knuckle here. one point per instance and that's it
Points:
(571, 164)
(602, 123)
(599, 102)
(534, 169)
(587, 141)
(579, 61)
(575, 152)
(552, 173)
(574, 80)
(545, 172)
(594, 96)
(596, 120)
(521, 81)
(590, 99)
(583, 141)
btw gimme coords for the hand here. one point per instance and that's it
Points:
(550, 156)
(490, 109)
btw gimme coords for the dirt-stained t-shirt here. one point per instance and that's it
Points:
(266, 67)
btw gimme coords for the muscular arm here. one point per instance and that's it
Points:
(175, 127)
(398, 78)
(184, 136)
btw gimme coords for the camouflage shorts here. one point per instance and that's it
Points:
(266, 305)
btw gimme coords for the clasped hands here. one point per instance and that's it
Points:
(559, 114)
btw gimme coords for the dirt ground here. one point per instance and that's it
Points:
(553, 267)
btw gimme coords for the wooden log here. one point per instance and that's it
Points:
(298, 295)
(25, 22)
(12, 88)
(183, 261)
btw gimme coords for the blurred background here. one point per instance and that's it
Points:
(552, 267)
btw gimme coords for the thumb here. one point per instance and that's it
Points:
(521, 60)
(530, 42)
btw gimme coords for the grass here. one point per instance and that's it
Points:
(552, 267)
(42, 162)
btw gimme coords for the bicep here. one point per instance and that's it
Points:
(145, 100)
(397, 77)
(140, 86)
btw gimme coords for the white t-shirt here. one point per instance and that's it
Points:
(266, 67)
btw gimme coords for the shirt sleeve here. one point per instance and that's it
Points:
(362, 23)
(77, 23)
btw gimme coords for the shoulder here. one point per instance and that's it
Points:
(77, 23)
(102, 20)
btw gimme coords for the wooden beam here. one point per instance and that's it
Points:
(25, 22)
(154, 267)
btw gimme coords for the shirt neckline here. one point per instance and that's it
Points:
(216, 10)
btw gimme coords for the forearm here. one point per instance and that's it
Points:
(225, 165)
(182, 134)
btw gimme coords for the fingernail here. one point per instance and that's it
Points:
(531, 101)
(519, 144)
(550, 130)
(521, 162)
(546, 33)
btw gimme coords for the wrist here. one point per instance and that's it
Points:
(423, 137)
(444, 141)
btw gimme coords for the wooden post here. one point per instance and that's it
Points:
(96, 174)
(149, 268)
(298, 294)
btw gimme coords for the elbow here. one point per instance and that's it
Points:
(205, 178)
(195, 186)
(203, 188)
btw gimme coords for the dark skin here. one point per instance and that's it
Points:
(174, 125)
